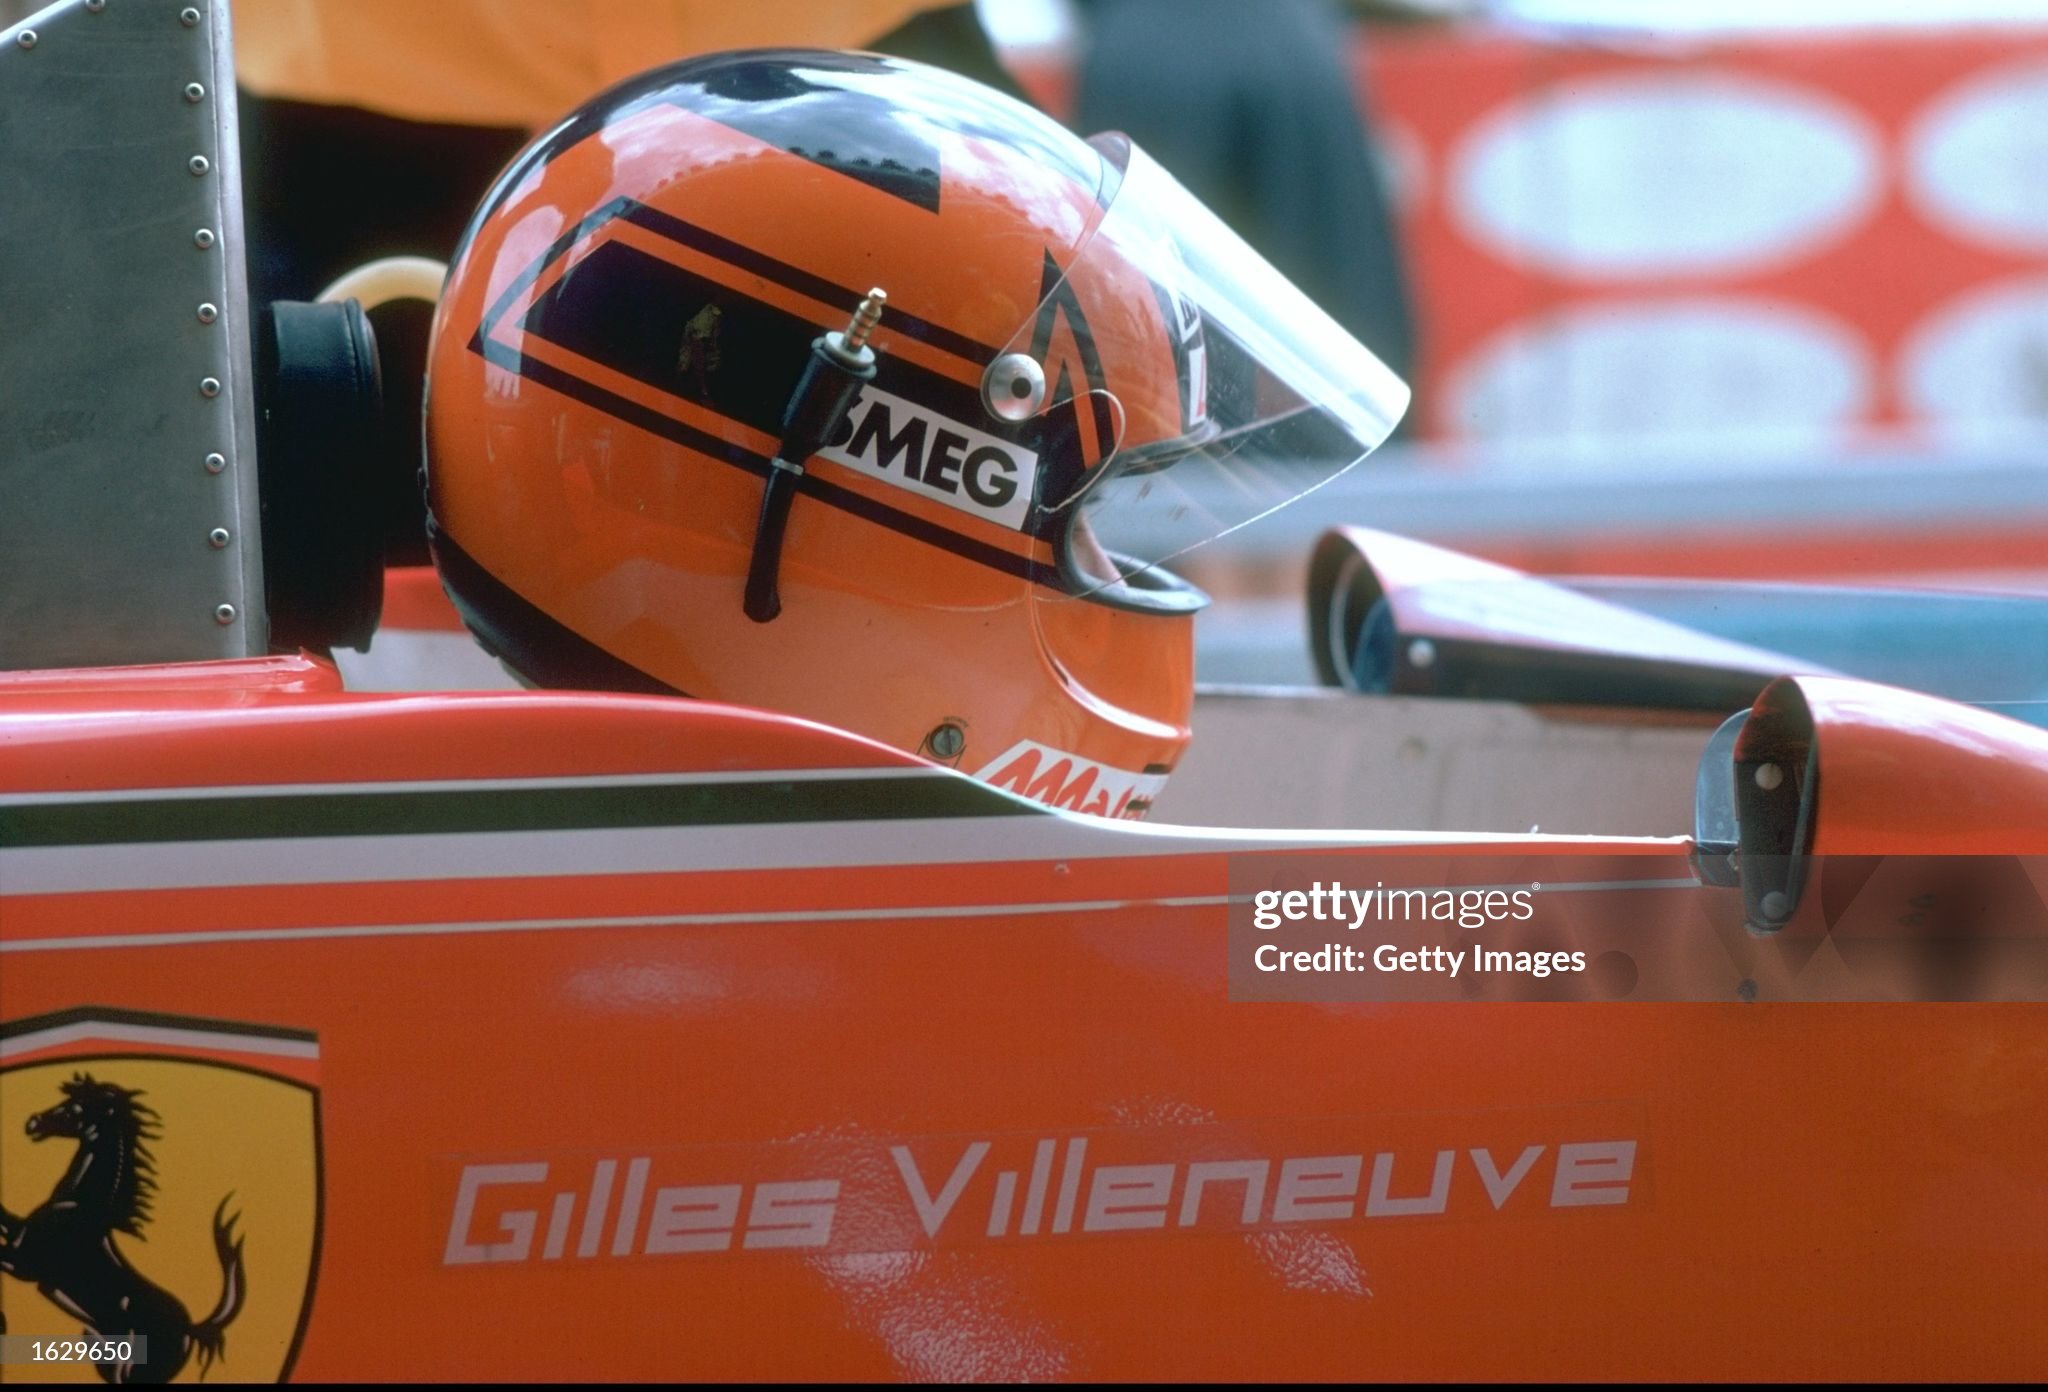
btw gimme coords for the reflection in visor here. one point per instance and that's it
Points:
(1202, 389)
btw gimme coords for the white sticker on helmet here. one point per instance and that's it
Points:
(912, 447)
(1059, 779)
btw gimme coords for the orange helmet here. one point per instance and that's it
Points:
(653, 464)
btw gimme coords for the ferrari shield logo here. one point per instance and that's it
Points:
(159, 1181)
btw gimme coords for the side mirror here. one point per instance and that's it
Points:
(1830, 767)
(1391, 615)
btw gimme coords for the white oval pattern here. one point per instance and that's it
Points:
(1980, 363)
(1977, 160)
(1724, 367)
(1656, 174)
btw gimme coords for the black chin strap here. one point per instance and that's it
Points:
(841, 364)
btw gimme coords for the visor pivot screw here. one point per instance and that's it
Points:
(95, 6)
(1769, 777)
(208, 313)
(26, 38)
(865, 317)
(189, 18)
(1013, 388)
(218, 538)
(203, 239)
(198, 165)
(216, 463)
(194, 92)
(1422, 654)
(946, 740)
(209, 386)
(224, 613)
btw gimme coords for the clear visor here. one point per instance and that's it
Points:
(1188, 387)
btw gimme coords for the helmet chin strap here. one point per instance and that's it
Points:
(841, 364)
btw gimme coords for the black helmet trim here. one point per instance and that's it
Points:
(734, 254)
(527, 638)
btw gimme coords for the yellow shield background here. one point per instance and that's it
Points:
(223, 1130)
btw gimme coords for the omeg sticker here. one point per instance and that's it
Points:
(900, 442)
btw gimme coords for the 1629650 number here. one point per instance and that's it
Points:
(18, 1349)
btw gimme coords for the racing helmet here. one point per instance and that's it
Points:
(846, 387)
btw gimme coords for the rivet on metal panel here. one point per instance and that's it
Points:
(189, 18)
(26, 38)
(194, 92)
(209, 386)
(215, 463)
(208, 313)
(1422, 653)
(198, 165)
(217, 538)
(203, 238)
(224, 613)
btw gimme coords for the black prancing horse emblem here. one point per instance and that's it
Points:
(66, 1248)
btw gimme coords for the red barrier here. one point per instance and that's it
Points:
(1808, 234)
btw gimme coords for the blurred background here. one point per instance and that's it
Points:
(1750, 290)
(1745, 289)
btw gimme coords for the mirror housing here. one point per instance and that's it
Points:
(1831, 767)
(1395, 616)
